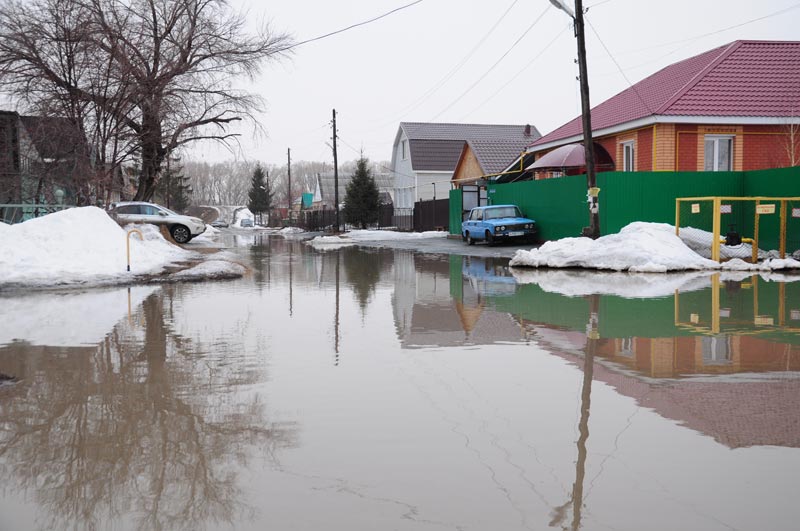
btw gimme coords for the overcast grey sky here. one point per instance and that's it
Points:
(438, 61)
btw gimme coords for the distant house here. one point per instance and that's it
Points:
(736, 107)
(425, 155)
(481, 159)
(40, 160)
(322, 188)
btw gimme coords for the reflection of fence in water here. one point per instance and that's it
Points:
(735, 315)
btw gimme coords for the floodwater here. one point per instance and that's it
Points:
(371, 389)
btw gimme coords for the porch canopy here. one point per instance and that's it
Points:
(572, 156)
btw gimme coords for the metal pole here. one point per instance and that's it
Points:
(289, 188)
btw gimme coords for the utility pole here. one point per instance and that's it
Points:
(289, 188)
(593, 230)
(335, 174)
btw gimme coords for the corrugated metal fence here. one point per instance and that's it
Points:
(559, 205)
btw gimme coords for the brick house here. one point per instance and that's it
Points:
(733, 108)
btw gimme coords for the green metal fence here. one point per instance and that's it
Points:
(560, 209)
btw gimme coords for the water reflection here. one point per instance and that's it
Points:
(141, 425)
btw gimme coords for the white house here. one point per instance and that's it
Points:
(425, 155)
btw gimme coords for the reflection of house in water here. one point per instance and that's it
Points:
(434, 305)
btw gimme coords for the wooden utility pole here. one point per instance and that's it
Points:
(335, 174)
(289, 187)
(593, 231)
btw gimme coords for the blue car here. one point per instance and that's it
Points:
(495, 223)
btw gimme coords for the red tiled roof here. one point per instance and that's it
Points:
(741, 79)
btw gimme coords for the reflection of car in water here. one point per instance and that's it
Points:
(496, 223)
(489, 276)
(219, 224)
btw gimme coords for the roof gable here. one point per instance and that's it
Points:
(437, 146)
(743, 78)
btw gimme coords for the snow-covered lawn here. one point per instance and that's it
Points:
(639, 247)
(83, 246)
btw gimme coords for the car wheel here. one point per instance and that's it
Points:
(469, 239)
(180, 234)
(489, 238)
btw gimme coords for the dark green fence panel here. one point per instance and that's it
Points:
(626, 197)
(780, 182)
(456, 206)
(557, 205)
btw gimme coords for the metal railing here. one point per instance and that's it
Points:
(19, 212)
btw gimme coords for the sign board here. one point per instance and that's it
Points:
(795, 315)
(724, 312)
(694, 318)
(725, 209)
(796, 212)
(765, 209)
(764, 321)
(695, 208)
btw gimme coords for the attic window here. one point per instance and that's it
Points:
(403, 151)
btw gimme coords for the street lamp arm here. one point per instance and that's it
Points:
(563, 7)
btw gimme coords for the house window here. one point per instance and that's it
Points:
(718, 153)
(628, 156)
(403, 151)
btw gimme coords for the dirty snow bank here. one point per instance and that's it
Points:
(211, 269)
(639, 248)
(81, 246)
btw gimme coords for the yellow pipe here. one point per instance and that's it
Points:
(755, 234)
(782, 245)
(715, 229)
(128, 243)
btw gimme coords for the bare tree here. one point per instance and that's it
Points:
(155, 73)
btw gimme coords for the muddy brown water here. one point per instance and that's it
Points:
(382, 389)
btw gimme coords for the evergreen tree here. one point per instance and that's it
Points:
(173, 188)
(260, 195)
(361, 201)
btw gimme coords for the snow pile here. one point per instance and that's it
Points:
(80, 245)
(243, 213)
(288, 231)
(356, 236)
(639, 247)
(211, 269)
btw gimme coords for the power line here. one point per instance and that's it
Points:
(631, 85)
(521, 71)
(481, 78)
(453, 71)
(332, 33)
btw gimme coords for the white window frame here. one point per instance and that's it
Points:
(629, 146)
(715, 139)
(403, 150)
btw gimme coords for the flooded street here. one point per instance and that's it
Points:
(371, 389)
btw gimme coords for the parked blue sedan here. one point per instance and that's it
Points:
(495, 223)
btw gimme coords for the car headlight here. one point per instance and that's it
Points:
(502, 227)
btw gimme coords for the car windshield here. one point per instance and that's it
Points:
(168, 211)
(502, 212)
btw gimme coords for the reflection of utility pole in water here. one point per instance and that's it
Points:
(336, 316)
(290, 279)
(576, 499)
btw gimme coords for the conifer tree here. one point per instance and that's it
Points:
(361, 201)
(260, 195)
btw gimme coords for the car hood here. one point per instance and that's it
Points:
(509, 221)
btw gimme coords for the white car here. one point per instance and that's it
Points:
(182, 228)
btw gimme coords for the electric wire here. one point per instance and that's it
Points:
(483, 76)
(631, 85)
(453, 71)
(352, 26)
(519, 73)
